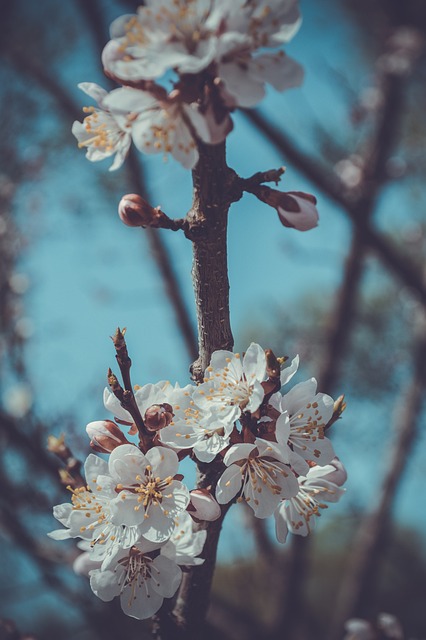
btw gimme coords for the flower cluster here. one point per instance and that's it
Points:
(219, 56)
(133, 522)
(135, 516)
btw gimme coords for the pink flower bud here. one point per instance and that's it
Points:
(134, 211)
(105, 436)
(158, 416)
(297, 210)
(204, 506)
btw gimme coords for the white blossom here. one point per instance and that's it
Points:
(232, 381)
(211, 36)
(262, 479)
(298, 513)
(140, 577)
(150, 394)
(206, 432)
(161, 125)
(148, 494)
(89, 516)
(308, 412)
(103, 133)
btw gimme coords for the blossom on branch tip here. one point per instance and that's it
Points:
(298, 211)
(134, 211)
(295, 209)
(165, 126)
(103, 133)
(216, 40)
(298, 513)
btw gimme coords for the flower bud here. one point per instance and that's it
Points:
(295, 209)
(134, 211)
(105, 436)
(203, 506)
(298, 211)
(158, 416)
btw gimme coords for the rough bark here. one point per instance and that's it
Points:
(207, 228)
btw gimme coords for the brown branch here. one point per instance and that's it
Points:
(207, 228)
(122, 357)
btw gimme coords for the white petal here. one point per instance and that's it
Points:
(281, 529)
(125, 463)
(113, 405)
(164, 461)
(94, 467)
(229, 484)
(60, 534)
(104, 584)
(93, 90)
(167, 576)
(129, 100)
(238, 452)
(142, 601)
(299, 396)
(254, 363)
(288, 372)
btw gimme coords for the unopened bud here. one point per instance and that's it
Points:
(134, 211)
(105, 436)
(158, 416)
(203, 506)
(296, 209)
(273, 368)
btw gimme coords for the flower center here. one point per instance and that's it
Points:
(138, 569)
(262, 474)
(101, 136)
(150, 490)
